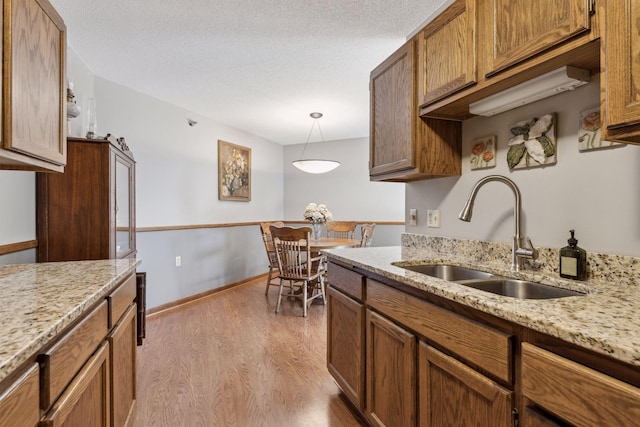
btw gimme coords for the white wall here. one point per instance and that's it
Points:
(177, 181)
(346, 191)
(596, 192)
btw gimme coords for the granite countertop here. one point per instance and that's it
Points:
(604, 320)
(40, 300)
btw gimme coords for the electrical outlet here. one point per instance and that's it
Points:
(413, 216)
(433, 218)
(178, 261)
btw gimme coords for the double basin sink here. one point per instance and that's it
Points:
(488, 282)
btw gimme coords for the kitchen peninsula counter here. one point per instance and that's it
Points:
(38, 301)
(604, 320)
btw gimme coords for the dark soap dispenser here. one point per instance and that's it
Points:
(573, 260)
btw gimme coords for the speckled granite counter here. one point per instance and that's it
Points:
(605, 320)
(39, 300)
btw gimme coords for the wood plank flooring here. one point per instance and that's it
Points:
(229, 360)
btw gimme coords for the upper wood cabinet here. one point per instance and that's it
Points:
(33, 87)
(517, 30)
(447, 52)
(621, 87)
(89, 211)
(404, 147)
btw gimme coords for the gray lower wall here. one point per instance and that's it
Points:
(211, 258)
(23, 257)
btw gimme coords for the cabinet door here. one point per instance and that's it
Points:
(447, 53)
(19, 404)
(393, 110)
(551, 381)
(391, 373)
(123, 368)
(122, 201)
(622, 88)
(452, 394)
(520, 29)
(34, 109)
(345, 345)
(86, 399)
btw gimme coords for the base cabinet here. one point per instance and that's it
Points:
(122, 342)
(345, 348)
(452, 394)
(86, 400)
(391, 373)
(575, 393)
(19, 404)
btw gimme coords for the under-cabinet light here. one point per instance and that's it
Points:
(544, 86)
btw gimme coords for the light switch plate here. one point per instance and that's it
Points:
(433, 218)
(413, 216)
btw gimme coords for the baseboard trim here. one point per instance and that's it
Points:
(164, 308)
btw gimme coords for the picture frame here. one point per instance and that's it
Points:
(234, 172)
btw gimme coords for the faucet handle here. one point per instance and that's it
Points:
(534, 251)
(530, 252)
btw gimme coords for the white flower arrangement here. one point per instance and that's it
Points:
(317, 214)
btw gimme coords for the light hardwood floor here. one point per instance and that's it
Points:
(229, 360)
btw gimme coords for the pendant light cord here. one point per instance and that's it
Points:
(315, 122)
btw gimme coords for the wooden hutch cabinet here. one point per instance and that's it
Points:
(89, 211)
(33, 90)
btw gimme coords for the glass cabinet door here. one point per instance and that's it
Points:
(123, 208)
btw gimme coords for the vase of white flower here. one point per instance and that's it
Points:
(317, 215)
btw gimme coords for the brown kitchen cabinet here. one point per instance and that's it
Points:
(621, 92)
(403, 146)
(391, 373)
(345, 349)
(452, 394)
(516, 30)
(574, 393)
(88, 212)
(447, 52)
(397, 375)
(33, 87)
(86, 400)
(123, 354)
(89, 373)
(19, 401)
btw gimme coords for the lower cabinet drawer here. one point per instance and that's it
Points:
(120, 299)
(86, 400)
(483, 346)
(576, 393)
(19, 404)
(349, 282)
(62, 362)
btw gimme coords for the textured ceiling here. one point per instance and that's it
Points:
(259, 65)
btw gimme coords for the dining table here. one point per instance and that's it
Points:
(332, 242)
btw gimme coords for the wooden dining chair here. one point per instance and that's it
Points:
(341, 229)
(271, 252)
(298, 265)
(366, 232)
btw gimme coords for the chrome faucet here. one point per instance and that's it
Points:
(518, 251)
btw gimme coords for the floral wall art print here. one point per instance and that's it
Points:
(234, 172)
(589, 133)
(483, 153)
(533, 142)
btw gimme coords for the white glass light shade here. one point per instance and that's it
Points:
(315, 165)
(549, 84)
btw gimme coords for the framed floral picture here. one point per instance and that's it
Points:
(234, 172)
(533, 142)
(483, 153)
(590, 132)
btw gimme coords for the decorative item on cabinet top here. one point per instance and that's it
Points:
(116, 142)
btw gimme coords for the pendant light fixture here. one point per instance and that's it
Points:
(314, 165)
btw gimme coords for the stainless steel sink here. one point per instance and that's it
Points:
(521, 289)
(488, 282)
(451, 273)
